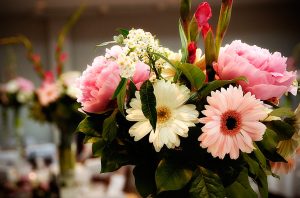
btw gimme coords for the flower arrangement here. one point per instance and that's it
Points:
(54, 101)
(16, 92)
(192, 125)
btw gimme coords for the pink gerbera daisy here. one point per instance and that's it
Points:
(231, 122)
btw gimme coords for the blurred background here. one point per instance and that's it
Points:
(271, 24)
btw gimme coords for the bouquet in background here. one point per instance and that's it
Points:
(54, 101)
(193, 125)
(16, 92)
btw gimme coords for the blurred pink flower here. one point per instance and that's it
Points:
(231, 122)
(48, 93)
(19, 84)
(282, 167)
(141, 74)
(265, 72)
(97, 85)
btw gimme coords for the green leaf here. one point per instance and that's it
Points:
(185, 9)
(223, 23)
(124, 32)
(144, 176)
(131, 91)
(284, 130)
(89, 139)
(119, 88)
(184, 43)
(206, 184)
(194, 30)
(268, 146)
(90, 127)
(257, 173)
(114, 159)
(149, 102)
(214, 85)
(110, 128)
(194, 74)
(260, 157)
(282, 112)
(210, 50)
(98, 147)
(106, 43)
(120, 94)
(241, 187)
(171, 176)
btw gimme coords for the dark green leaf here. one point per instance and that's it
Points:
(214, 85)
(282, 112)
(258, 175)
(113, 160)
(120, 94)
(110, 128)
(149, 102)
(194, 74)
(185, 9)
(241, 187)
(260, 157)
(184, 43)
(284, 130)
(89, 127)
(119, 88)
(98, 147)
(206, 184)
(124, 32)
(144, 176)
(268, 146)
(171, 176)
(131, 91)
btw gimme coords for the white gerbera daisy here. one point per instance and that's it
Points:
(174, 117)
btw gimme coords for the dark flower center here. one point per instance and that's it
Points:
(231, 123)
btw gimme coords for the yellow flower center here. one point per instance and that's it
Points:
(163, 114)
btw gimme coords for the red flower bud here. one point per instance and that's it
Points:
(192, 48)
(203, 14)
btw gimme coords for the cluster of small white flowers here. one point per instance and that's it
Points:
(126, 65)
(139, 41)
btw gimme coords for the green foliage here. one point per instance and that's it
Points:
(268, 146)
(124, 32)
(194, 30)
(90, 126)
(282, 112)
(258, 175)
(206, 184)
(223, 22)
(194, 74)
(172, 175)
(184, 43)
(144, 175)
(149, 102)
(241, 187)
(110, 128)
(120, 94)
(283, 130)
(185, 10)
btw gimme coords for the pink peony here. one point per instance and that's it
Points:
(265, 72)
(141, 74)
(97, 85)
